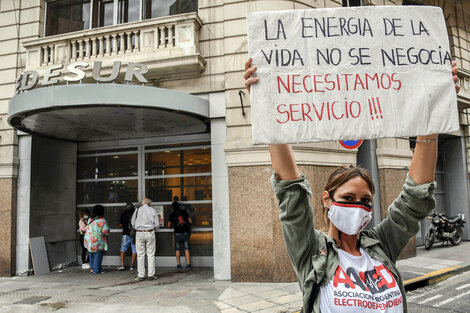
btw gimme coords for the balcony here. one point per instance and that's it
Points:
(168, 46)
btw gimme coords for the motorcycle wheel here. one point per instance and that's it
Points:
(430, 236)
(455, 241)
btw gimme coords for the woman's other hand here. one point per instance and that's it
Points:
(454, 76)
(249, 70)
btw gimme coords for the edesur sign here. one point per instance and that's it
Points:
(52, 74)
(350, 73)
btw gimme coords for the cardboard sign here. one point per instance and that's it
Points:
(37, 246)
(350, 73)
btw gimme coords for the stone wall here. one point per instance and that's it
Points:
(12, 59)
(258, 251)
(7, 226)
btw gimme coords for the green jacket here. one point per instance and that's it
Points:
(314, 254)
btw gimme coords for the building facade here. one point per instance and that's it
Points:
(109, 101)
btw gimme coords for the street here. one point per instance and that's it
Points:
(450, 295)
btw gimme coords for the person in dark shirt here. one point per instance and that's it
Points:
(127, 240)
(181, 222)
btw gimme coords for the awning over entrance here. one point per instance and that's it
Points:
(95, 112)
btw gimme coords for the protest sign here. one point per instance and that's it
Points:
(350, 73)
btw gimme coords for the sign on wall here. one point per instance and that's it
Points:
(76, 73)
(350, 144)
(350, 73)
(160, 214)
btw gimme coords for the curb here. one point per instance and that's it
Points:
(434, 277)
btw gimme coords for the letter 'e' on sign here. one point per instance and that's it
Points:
(350, 73)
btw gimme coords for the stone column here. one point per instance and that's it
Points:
(23, 205)
(220, 188)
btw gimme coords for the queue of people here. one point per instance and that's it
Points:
(138, 233)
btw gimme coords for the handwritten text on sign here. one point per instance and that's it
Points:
(355, 73)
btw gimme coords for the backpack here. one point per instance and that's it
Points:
(129, 225)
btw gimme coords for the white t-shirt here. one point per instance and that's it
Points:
(361, 284)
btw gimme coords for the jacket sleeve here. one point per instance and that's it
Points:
(105, 229)
(411, 206)
(297, 226)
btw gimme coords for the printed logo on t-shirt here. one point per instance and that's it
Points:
(365, 288)
(180, 220)
(361, 284)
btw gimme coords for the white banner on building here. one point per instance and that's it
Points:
(350, 73)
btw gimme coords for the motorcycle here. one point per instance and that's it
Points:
(445, 229)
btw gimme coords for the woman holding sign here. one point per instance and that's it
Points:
(350, 269)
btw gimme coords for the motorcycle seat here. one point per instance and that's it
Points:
(454, 219)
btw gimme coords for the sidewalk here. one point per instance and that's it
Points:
(76, 290)
(439, 262)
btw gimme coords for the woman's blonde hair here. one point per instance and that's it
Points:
(342, 175)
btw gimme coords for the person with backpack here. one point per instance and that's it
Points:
(181, 222)
(127, 238)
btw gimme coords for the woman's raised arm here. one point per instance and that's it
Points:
(283, 161)
(282, 156)
(423, 163)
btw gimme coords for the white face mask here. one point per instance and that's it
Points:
(350, 217)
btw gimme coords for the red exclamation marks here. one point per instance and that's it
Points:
(375, 105)
(370, 110)
(380, 109)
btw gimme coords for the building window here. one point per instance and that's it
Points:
(67, 16)
(103, 13)
(64, 16)
(128, 11)
(181, 171)
(412, 2)
(158, 8)
(107, 177)
(352, 3)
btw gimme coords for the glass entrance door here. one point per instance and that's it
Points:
(181, 171)
(112, 177)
